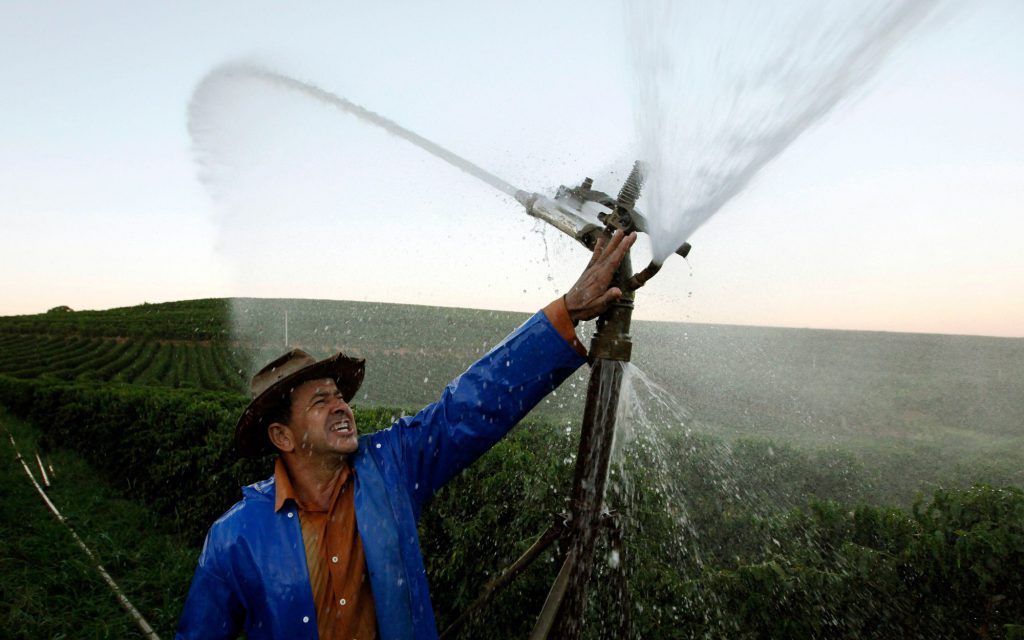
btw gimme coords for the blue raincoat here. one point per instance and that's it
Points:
(252, 570)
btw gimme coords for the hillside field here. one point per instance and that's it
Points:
(938, 408)
(770, 482)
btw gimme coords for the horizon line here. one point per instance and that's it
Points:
(516, 311)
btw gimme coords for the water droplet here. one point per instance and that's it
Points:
(613, 559)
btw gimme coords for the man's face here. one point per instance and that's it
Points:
(321, 420)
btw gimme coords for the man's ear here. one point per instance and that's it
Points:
(281, 436)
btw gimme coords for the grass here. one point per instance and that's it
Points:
(49, 588)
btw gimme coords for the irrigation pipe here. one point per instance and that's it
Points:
(132, 611)
(46, 479)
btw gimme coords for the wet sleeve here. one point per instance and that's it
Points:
(479, 407)
(212, 610)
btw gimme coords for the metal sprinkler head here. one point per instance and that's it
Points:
(585, 214)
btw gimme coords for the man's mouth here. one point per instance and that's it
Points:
(342, 427)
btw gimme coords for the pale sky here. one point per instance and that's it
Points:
(900, 211)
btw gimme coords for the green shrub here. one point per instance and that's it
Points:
(718, 542)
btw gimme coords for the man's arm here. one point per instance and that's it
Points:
(479, 407)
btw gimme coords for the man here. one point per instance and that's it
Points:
(327, 547)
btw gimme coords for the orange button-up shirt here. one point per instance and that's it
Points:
(335, 559)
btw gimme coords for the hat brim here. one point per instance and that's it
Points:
(251, 439)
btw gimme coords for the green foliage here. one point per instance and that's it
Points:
(49, 588)
(209, 366)
(739, 559)
(948, 570)
(725, 535)
(190, 320)
(171, 448)
(933, 411)
(743, 564)
(485, 519)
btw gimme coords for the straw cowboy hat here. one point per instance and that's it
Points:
(275, 382)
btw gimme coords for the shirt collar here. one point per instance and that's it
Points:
(285, 491)
(283, 485)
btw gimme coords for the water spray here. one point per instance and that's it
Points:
(580, 212)
(586, 215)
(610, 348)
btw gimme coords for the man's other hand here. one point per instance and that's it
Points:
(591, 294)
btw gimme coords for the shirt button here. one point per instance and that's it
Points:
(335, 559)
(342, 602)
(305, 618)
(291, 515)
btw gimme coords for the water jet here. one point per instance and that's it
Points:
(584, 214)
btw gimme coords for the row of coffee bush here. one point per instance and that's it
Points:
(704, 553)
(170, 448)
(213, 366)
(186, 320)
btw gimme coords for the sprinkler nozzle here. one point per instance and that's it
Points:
(584, 213)
(640, 278)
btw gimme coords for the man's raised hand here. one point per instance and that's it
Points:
(592, 293)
